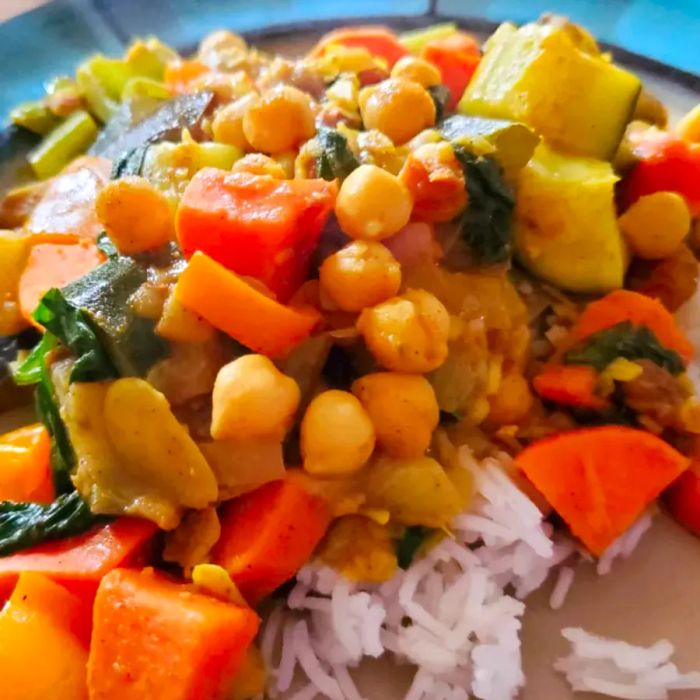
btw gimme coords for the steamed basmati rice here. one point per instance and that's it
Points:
(621, 670)
(455, 614)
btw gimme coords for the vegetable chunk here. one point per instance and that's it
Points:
(232, 305)
(600, 480)
(43, 617)
(80, 562)
(565, 222)
(552, 76)
(268, 535)
(25, 465)
(157, 639)
(255, 225)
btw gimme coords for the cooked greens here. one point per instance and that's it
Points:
(335, 159)
(441, 96)
(24, 525)
(487, 222)
(409, 544)
(624, 340)
(167, 120)
(71, 324)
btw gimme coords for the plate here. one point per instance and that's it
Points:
(653, 594)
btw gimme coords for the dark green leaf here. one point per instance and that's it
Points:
(624, 340)
(122, 136)
(102, 298)
(441, 96)
(29, 372)
(62, 455)
(130, 163)
(339, 372)
(336, 158)
(25, 525)
(409, 544)
(75, 330)
(486, 224)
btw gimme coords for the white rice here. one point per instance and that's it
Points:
(620, 670)
(455, 614)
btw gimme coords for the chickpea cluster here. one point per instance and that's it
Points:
(394, 409)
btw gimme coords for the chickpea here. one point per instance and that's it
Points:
(398, 107)
(135, 215)
(363, 273)
(403, 409)
(227, 126)
(252, 399)
(259, 164)
(655, 225)
(407, 333)
(222, 50)
(435, 180)
(372, 204)
(418, 70)
(280, 120)
(513, 400)
(337, 436)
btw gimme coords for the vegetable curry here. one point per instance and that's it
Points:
(264, 304)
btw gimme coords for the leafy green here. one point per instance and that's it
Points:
(487, 221)
(450, 417)
(47, 409)
(125, 133)
(24, 525)
(102, 299)
(408, 545)
(336, 159)
(72, 325)
(29, 372)
(441, 96)
(624, 340)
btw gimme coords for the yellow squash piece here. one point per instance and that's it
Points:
(14, 251)
(551, 76)
(415, 491)
(566, 230)
(133, 457)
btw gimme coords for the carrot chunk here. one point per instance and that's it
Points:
(457, 56)
(233, 306)
(379, 41)
(66, 211)
(600, 480)
(571, 385)
(255, 225)
(157, 639)
(640, 310)
(54, 265)
(268, 535)
(25, 465)
(80, 562)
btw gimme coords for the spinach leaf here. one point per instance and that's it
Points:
(441, 96)
(101, 299)
(71, 324)
(336, 159)
(339, 371)
(62, 454)
(29, 372)
(408, 545)
(624, 340)
(450, 417)
(24, 525)
(486, 223)
(121, 136)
